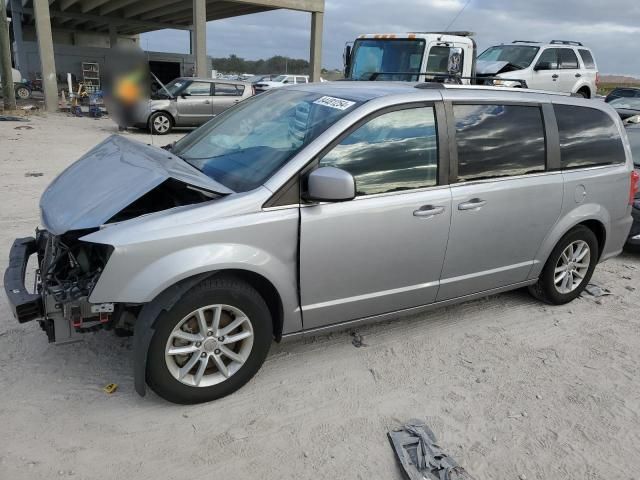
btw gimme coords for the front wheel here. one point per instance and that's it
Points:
(160, 123)
(210, 343)
(23, 93)
(569, 267)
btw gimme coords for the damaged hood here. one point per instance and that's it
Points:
(110, 177)
(484, 67)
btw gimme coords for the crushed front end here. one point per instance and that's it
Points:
(67, 270)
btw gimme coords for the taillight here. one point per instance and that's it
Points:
(633, 189)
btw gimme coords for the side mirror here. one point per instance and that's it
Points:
(454, 66)
(543, 66)
(347, 60)
(330, 184)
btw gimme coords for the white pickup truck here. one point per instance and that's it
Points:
(21, 85)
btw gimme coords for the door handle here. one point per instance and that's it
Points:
(207, 102)
(473, 204)
(428, 211)
(555, 76)
(578, 75)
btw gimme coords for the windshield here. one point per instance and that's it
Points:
(246, 145)
(280, 78)
(389, 57)
(627, 103)
(174, 86)
(519, 56)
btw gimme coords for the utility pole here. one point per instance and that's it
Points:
(9, 94)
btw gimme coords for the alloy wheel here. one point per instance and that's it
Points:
(572, 266)
(161, 124)
(209, 345)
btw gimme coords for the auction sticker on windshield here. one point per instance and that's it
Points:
(337, 103)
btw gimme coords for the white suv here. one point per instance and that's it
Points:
(281, 81)
(559, 66)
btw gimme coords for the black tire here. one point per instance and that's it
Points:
(582, 93)
(23, 93)
(545, 289)
(216, 290)
(160, 123)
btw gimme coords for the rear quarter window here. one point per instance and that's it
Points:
(587, 59)
(588, 137)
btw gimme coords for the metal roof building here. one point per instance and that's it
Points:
(118, 18)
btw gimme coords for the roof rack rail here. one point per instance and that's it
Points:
(525, 41)
(566, 42)
(439, 78)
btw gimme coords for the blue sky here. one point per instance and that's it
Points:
(610, 28)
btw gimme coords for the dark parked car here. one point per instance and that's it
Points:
(626, 107)
(623, 92)
(633, 132)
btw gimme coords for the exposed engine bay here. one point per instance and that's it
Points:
(68, 270)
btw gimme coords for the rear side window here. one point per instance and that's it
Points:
(393, 152)
(587, 59)
(567, 59)
(588, 137)
(499, 141)
(228, 90)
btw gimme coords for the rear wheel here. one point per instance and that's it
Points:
(160, 123)
(210, 343)
(583, 93)
(569, 267)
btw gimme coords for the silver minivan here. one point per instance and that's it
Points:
(188, 102)
(319, 207)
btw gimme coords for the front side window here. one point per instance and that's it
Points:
(520, 56)
(246, 145)
(567, 59)
(587, 59)
(395, 151)
(197, 89)
(588, 137)
(549, 58)
(499, 141)
(387, 59)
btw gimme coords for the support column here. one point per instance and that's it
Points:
(8, 92)
(20, 56)
(47, 59)
(199, 38)
(315, 61)
(113, 36)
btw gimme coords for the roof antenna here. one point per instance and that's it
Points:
(456, 17)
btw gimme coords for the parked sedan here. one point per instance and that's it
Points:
(187, 102)
(626, 107)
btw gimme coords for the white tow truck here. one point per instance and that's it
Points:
(417, 57)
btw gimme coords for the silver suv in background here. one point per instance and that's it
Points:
(187, 102)
(558, 66)
(318, 207)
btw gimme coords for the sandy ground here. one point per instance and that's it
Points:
(513, 388)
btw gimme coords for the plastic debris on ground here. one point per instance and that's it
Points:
(12, 118)
(111, 388)
(421, 457)
(596, 291)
